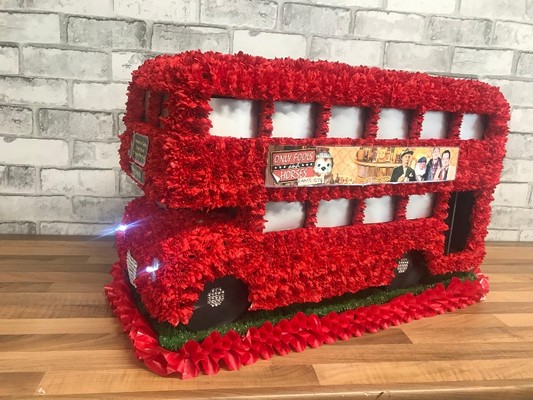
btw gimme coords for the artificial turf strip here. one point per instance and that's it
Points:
(173, 338)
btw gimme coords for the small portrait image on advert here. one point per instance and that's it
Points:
(404, 172)
(448, 165)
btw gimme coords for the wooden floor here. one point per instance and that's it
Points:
(58, 338)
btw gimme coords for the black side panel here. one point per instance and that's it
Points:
(459, 212)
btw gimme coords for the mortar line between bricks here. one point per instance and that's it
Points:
(351, 26)
(21, 60)
(451, 55)
(231, 39)
(35, 122)
(516, 57)
(149, 34)
(425, 29)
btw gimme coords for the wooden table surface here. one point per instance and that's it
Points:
(58, 338)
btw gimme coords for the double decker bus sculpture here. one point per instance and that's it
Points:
(339, 179)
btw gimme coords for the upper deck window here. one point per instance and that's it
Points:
(234, 118)
(294, 120)
(336, 212)
(434, 125)
(393, 124)
(346, 122)
(472, 127)
(282, 216)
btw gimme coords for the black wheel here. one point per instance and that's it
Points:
(409, 271)
(222, 301)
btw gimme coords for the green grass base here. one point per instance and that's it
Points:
(173, 338)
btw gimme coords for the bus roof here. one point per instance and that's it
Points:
(242, 76)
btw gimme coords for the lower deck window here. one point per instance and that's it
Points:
(460, 209)
(336, 212)
(282, 216)
(379, 209)
(420, 206)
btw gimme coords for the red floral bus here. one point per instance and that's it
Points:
(221, 230)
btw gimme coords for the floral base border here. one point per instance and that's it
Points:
(233, 350)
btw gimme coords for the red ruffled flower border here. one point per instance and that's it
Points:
(233, 350)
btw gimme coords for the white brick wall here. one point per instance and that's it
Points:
(507, 9)
(9, 60)
(416, 57)
(72, 228)
(35, 208)
(525, 65)
(95, 154)
(37, 151)
(34, 28)
(269, 44)
(17, 179)
(521, 120)
(353, 52)
(79, 124)
(16, 121)
(96, 209)
(38, 90)
(385, 25)
(513, 35)
(422, 6)
(486, 62)
(314, 19)
(64, 68)
(173, 39)
(158, 10)
(58, 63)
(124, 63)
(115, 34)
(254, 14)
(511, 194)
(99, 96)
(96, 182)
(92, 7)
(467, 32)
(128, 187)
(516, 92)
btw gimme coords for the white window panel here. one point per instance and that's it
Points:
(420, 206)
(346, 122)
(294, 120)
(234, 118)
(434, 125)
(336, 212)
(472, 127)
(379, 209)
(393, 124)
(282, 216)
